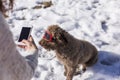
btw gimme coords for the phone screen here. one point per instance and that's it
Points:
(25, 32)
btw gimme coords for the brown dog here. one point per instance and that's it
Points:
(70, 51)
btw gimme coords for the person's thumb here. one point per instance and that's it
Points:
(30, 38)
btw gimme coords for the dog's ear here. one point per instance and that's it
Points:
(58, 34)
(61, 38)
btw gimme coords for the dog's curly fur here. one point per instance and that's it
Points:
(70, 51)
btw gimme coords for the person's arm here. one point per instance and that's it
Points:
(13, 66)
(33, 60)
(12, 63)
(31, 48)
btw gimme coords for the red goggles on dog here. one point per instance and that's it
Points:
(48, 36)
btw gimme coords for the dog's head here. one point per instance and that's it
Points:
(53, 38)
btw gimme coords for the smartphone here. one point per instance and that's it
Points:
(25, 33)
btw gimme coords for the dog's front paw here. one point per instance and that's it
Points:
(69, 79)
(79, 72)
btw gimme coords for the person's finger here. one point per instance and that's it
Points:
(21, 46)
(30, 38)
(33, 42)
(25, 41)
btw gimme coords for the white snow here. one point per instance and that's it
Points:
(97, 21)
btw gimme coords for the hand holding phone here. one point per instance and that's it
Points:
(29, 46)
(25, 33)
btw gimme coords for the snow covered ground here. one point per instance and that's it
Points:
(97, 21)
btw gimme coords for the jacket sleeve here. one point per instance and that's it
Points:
(33, 60)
